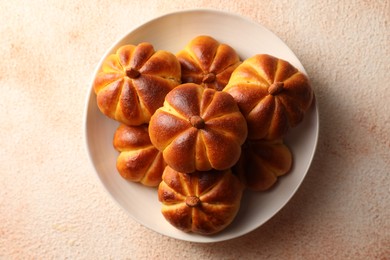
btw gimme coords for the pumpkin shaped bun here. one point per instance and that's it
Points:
(198, 129)
(208, 62)
(271, 93)
(133, 82)
(262, 162)
(138, 160)
(200, 202)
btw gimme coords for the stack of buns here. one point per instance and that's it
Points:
(201, 125)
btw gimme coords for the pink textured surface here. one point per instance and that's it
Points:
(53, 206)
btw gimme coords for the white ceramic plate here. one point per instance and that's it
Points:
(172, 32)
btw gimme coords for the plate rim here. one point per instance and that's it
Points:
(90, 94)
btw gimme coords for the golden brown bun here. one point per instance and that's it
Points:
(133, 82)
(200, 202)
(139, 160)
(198, 129)
(206, 61)
(271, 93)
(262, 162)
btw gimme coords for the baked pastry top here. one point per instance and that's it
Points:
(201, 125)
(198, 129)
(138, 159)
(200, 202)
(271, 93)
(133, 82)
(208, 62)
(262, 162)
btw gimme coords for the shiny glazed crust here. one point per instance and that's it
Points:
(200, 202)
(138, 160)
(271, 93)
(133, 82)
(198, 129)
(262, 162)
(206, 61)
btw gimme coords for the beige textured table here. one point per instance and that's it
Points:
(52, 205)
